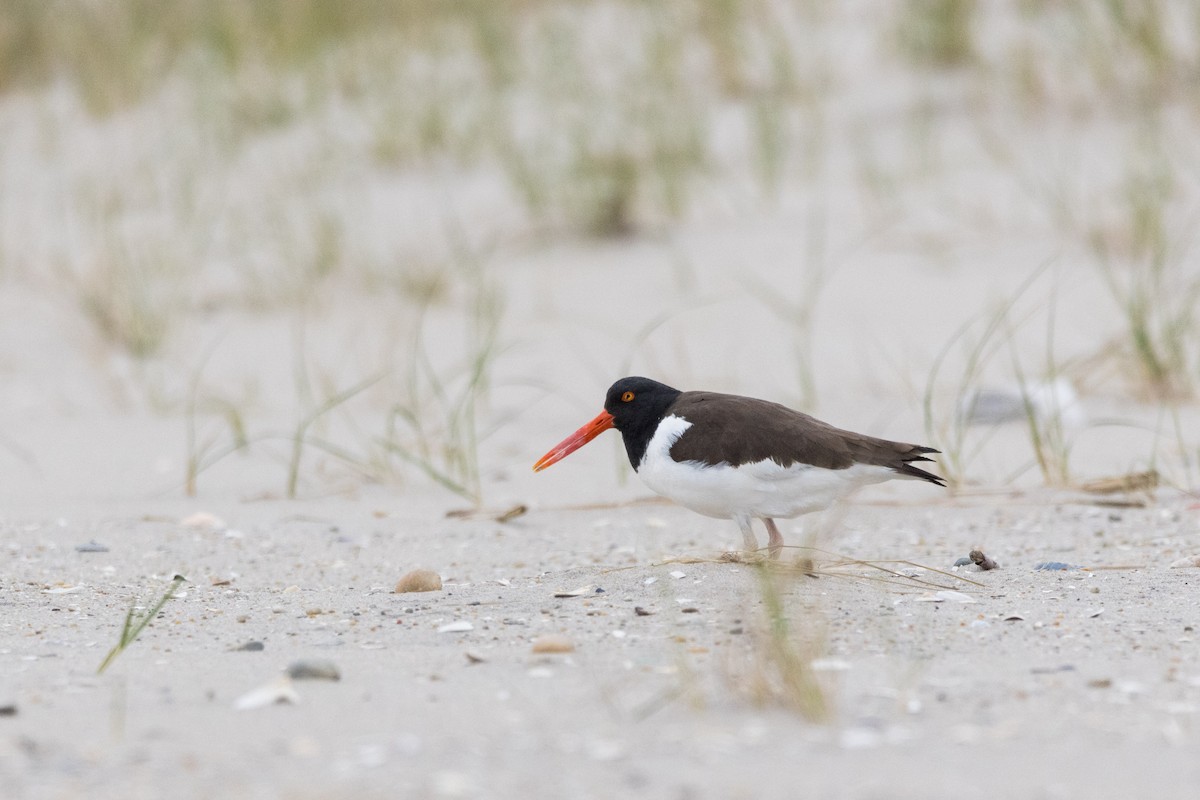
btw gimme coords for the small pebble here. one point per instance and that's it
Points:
(419, 580)
(8, 710)
(458, 626)
(202, 520)
(982, 561)
(313, 670)
(91, 547)
(1053, 566)
(552, 643)
(249, 647)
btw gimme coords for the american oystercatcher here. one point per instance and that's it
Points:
(733, 457)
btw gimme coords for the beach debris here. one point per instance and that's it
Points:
(202, 520)
(91, 547)
(215, 581)
(474, 659)
(591, 588)
(62, 590)
(503, 515)
(458, 626)
(8, 709)
(252, 646)
(316, 669)
(1054, 566)
(552, 643)
(1014, 618)
(678, 574)
(642, 612)
(419, 580)
(689, 610)
(277, 692)
(985, 563)
(1189, 561)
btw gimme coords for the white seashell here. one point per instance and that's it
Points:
(273, 693)
(580, 592)
(458, 626)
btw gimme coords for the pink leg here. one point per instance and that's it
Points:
(775, 538)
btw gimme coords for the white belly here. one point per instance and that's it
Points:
(761, 489)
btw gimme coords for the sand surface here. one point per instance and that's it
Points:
(1044, 684)
(915, 208)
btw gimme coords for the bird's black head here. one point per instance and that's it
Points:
(634, 406)
(637, 406)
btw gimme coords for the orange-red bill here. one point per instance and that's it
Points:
(576, 440)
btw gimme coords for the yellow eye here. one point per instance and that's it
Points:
(625, 398)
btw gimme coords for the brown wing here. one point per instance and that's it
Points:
(741, 430)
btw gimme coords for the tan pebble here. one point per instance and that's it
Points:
(419, 580)
(553, 643)
(203, 520)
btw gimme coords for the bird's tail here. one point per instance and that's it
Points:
(917, 453)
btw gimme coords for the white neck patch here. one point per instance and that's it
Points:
(667, 433)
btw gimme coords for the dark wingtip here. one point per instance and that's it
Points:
(907, 467)
(917, 472)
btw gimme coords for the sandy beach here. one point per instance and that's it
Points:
(292, 326)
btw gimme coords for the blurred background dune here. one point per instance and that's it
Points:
(295, 247)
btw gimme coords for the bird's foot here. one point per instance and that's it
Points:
(744, 556)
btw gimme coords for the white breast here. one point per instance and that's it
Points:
(760, 489)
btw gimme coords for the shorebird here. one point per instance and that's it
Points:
(739, 458)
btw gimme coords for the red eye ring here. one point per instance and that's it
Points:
(626, 397)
